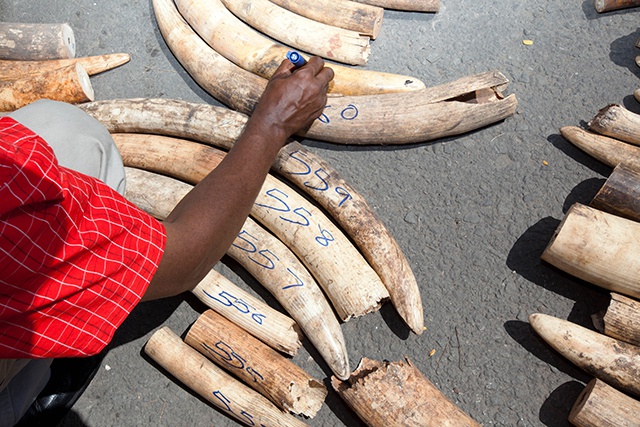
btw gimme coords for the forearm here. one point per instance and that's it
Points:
(204, 224)
(206, 221)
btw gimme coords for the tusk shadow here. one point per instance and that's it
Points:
(556, 408)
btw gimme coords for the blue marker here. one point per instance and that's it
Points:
(296, 58)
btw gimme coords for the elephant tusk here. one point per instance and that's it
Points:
(395, 394)
(622, 319)
(11, 70)
(33, 42)
(362, 18)
(220, 127)
(281, 381)
(68, 84)
(613, 361)
(252, 51)
(316, 38)
(210, 67)
(600, 404)
(597, 247)
(617, 122)
(408, 5)
(158, 196)
(233, 398)
(335, 263)
(269, 261)
(620, 194)
(609, 151)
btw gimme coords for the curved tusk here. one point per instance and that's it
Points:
(450, 109)
(620, 194)
(68, 84)
(598, 247)
(432, 120)
(220, 127)
(609, 151)
(387, 394)
(11, 70)
(611, 360)
(362, 18)
(254, 52)
(599, 404)
(325, 185)
(158, 197)
(216, 74)
(233, 398)
(335, 263)
(269, 261)
(281, 381)
(408, 5)
(205, 123)
(316, 38)
(617, 122)
(622, 319)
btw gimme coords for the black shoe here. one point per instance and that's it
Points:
(69, 379)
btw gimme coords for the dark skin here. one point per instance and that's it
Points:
(207, 220)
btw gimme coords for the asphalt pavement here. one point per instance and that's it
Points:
(472, 213)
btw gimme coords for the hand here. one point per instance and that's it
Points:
(293, 98)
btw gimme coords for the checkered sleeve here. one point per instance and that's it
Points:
(75, 256)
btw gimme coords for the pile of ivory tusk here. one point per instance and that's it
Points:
(364, 107)
(600, 244)
(38, 61)
(162, 164)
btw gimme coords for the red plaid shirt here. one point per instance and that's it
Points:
(75, 256)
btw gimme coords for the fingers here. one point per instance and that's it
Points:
(285, 68)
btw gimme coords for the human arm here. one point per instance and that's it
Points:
(206, 221)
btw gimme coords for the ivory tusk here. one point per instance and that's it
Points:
(617, 122)
(408, 5)
(30, 41)
(316, 38)
(622, 319)
(597, 247)
(209, 124)
(450, 109)
(620, 194)
(271, 263)
(11, 70)
(69, 84)
(335, 263)
(394, 127)
(325, 185)
(636, 94)
(362, 18)
(611, 5)
(278, 379)
(609, 151)
(220, 127)
(613, 361)
(600, 405)
(397, 394)
(233, 398)
(250, 50)
(216, 74)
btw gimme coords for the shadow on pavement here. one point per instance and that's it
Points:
(555, 410)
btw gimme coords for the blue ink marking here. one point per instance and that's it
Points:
(293, 285)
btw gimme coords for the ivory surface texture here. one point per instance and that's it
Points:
(611, 5)
(395, 394)
(271, 263)
(598, 247)
(620, 194)
(220, 127)
(158, 195)
(617, 122)
(609, 359)
(410, 5)
(12, 70)
(622, 319)
(609, 151)
(35, 41)
(213, 384)
(601, 405)
(281, 381)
